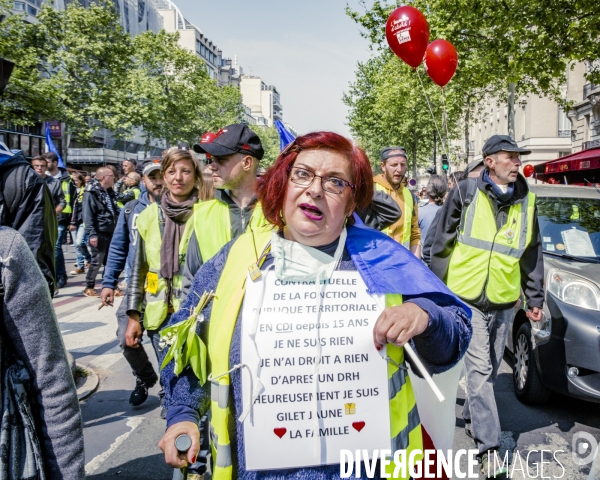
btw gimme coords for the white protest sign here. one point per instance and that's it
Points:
(297, 422)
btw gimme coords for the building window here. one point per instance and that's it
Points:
(19, 6)
(564, 125)
(31, 11)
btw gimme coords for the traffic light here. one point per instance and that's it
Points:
(445, 164)
(432, 170)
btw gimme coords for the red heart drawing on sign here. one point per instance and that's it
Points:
(358, 426)
(280, 432)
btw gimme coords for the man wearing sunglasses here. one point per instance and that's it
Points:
(235, 153)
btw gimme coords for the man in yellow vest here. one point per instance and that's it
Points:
(487, 249)
(406, 230)
(236, 152)
(132, 181)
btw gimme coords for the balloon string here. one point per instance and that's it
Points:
(432, 115)
(445, 124)
(445, 118)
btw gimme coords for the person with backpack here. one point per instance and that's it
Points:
(487, 249)
(27, 206)
(120, 258)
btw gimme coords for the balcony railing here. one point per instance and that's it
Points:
(587, 89)
(590, 144)
(564, 133)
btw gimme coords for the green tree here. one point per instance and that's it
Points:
(507, 48)
(269, 137)
(172, 95)
(388, 107)
(86, 54)
(28, 97)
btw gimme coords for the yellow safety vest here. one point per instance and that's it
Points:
(406, 219)
(148, 227)
(405, 428)
(485, 257)
(65, 185)
(212, 226)
(136, 194)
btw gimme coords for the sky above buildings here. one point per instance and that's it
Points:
(308, 50)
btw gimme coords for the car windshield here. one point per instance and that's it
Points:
(570, 226)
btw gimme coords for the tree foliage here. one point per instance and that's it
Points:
(528, 44)
(269, 137)
(79, 66)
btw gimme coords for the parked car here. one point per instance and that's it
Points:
(562, 352)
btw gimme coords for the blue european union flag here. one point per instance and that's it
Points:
(285, 137)
(51, 148)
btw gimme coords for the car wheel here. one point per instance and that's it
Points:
(526, 378)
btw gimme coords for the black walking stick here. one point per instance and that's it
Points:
(182, 444)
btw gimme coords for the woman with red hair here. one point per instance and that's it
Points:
(315, 242)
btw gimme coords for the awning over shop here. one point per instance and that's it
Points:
(576, 162)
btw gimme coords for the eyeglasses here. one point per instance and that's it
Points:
(305, 178)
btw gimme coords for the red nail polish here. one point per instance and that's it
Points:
(193, 459)
(378, 347)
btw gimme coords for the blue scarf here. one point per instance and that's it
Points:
(503, 198)
(388, 267)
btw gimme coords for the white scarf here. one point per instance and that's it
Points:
(301, 263)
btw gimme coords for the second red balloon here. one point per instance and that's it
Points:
(441, 61)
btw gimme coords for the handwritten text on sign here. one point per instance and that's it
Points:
(305, 417)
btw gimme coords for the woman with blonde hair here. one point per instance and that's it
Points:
(164, 231)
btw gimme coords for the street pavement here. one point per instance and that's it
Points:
(121, 441)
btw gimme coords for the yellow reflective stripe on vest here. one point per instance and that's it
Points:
(405, 426)
(65, 184)
(148, 227)
(487, 257)
(212, 226)
(407, 213)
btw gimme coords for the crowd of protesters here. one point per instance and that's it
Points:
(159, 225)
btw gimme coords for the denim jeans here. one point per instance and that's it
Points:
(83, 254)
(61, 272)
(482, 361)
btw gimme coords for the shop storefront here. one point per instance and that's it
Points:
(29, 139)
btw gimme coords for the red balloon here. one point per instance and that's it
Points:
(440, 61)
(407, 34)
(552, 181)
(528, 170)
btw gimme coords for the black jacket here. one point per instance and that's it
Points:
(100, 211)
(77, 217)
(26, 206)
(65, 218)
(531, 263)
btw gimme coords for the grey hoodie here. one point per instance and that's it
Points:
(32, 329)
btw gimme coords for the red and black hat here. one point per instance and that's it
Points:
(237, 138)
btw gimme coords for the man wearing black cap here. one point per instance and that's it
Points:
(487, 249)
(236, 152)
(391, 181)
